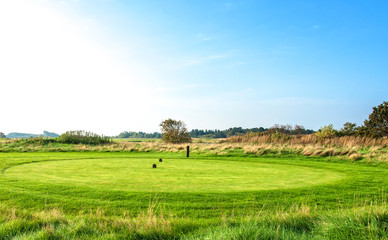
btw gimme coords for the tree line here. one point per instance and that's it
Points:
(139, 135)
(239, 131)
(375, 126)
(235, 131)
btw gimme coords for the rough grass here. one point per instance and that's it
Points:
(345, 148)
(300, 223)
(311, 139)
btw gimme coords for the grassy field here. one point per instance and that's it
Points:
(235, 195)
(131, 173)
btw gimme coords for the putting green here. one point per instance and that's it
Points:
(172, 175)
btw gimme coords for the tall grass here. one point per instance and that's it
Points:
(56, 224)
(301, 223)
(279, 138)
(353, 148)
(297, 222)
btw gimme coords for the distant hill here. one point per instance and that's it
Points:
(22, 135)
(29, 135)
(50, 134)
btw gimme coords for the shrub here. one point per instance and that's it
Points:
(83, 137)
(279, 137)
(327, 132)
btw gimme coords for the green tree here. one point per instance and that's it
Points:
(299, 129)
(377, 124)
(348, 129)
(2, 135)
(327, 132)
(174, 131)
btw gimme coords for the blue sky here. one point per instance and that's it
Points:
(109, 66)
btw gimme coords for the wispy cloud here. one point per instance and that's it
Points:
(204, 37)
(179, 88)
(69, 1)
(207, 59)
(217, 56)
(316, 27)
(192, 62)
(296, 101)
(228, 5)
(208, 37)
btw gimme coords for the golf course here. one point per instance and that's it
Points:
(116, 195)
(193, 120)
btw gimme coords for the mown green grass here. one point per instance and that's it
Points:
(128, 173)
(119, 195)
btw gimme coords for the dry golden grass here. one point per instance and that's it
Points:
(309, 139)
(352, 148)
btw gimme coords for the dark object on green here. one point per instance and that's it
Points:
(160, 160)
(154, 166)
(188, 151)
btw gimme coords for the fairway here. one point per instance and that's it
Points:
(171, 175)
